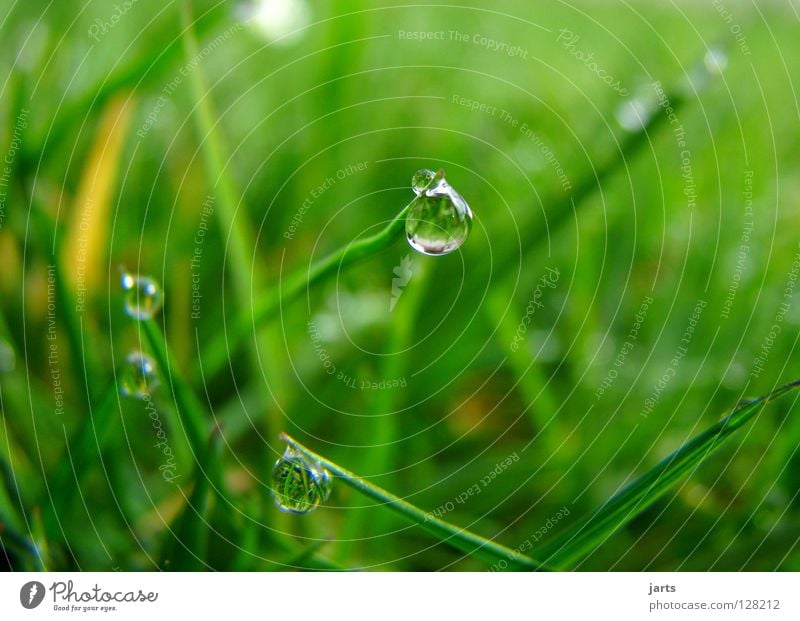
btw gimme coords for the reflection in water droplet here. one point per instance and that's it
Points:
(7, 358)
(299, 484)
(439, 219)
(138, 378)
(143, 297)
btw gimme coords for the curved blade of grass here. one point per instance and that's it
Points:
(87, 444)
(308, 558)
(241, 236)
(239, 229)
(559, 213)
(382, 428)
(533, 386)
(10, 512)
(85, 249)
(592, 531)
(459, 538)
(266, 307)
(73, 323)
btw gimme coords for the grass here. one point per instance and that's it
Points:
(428, 394)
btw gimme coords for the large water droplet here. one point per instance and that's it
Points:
(439, 219)
(138, 378)
(299, 484)
(143, 297)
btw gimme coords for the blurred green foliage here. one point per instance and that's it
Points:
(321, 133)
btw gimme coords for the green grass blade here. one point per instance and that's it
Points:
(459, 538)
(592, 531)
(563, 208)
(268, 304)
(383, 427)
(536, 389)
(87, 444)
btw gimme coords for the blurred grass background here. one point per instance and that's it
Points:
(89, 171)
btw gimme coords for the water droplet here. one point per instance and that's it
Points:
(138, 378)
(7, 357)
(634, 114)
(714, 63)
(425, 179)
(439, 220)
(299, 484)
(143, 297)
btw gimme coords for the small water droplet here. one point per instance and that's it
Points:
(138, 378)
(716, 61)
(7, 357)
(143, 297)
(634, 114)
(439, 219)
(299, 484)
(425, 179)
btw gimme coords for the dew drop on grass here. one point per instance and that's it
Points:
(138, 377)
(439, 219)
(143, 296)
(299, 484)
(704, 72)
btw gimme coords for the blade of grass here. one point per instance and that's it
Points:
(267, 305)
(459, 538)
(540, 402)
(141, 73)
(563, 207)
(47, 556)
(88, 366)
(239, 230)
(26, 553)
(241, 235)
(86, 444)
(589, 533)
(85, 249)
(305, 557)
(10, 510)
(89, 450)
